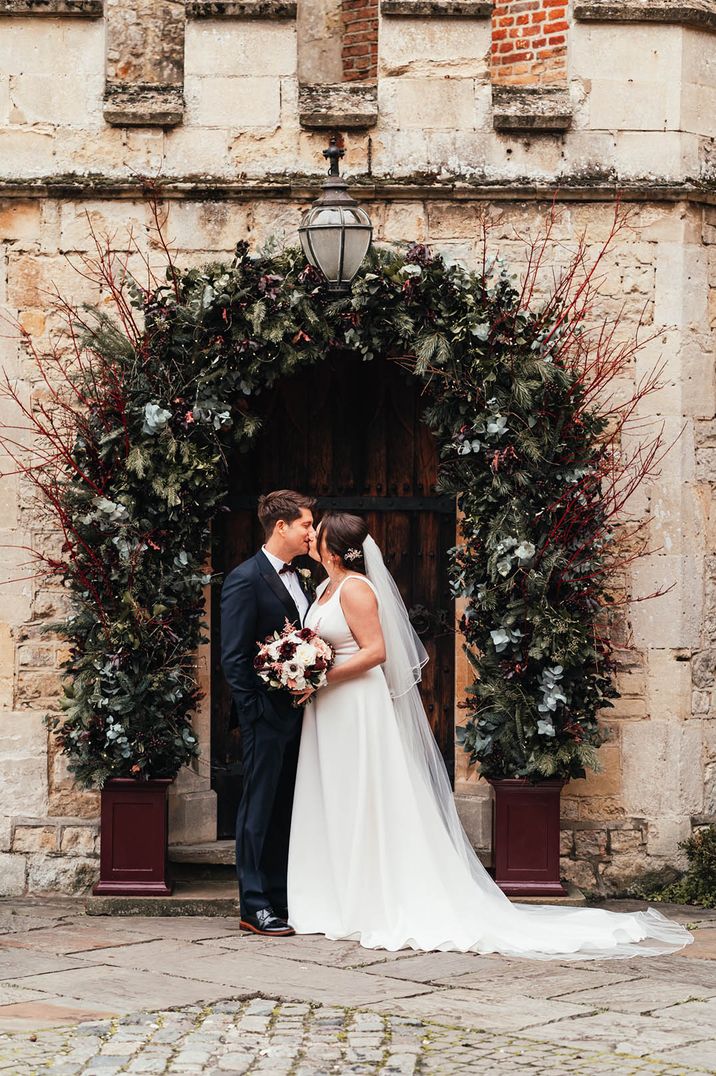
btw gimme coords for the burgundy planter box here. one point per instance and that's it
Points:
(526, 837)
(133, 839)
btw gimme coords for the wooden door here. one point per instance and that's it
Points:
(350, 433)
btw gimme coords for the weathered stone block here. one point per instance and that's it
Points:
(631, 105)
(79, 840)
(30, 151)
(699, 13)
(672, 620)
(143, 105)
(668, 686)
(214, 225)
(580, 873)
(233, 102)
(591, 843)
(344, 105)
(528, 108)
(192, 817)
(428, 47)
(34, 839)
(225, 50)
(657, 47)
(626, 840)
(423, 9)
(663, 769)
(241, 9)
(476, 818)
(428, 103)
(566, 842)
(664, 836)
(65, 875)
(84, 9)
(606, 783)
(23, 749)
(13, 873)
(448, 220)
(681, 292)
(63, 48)
(72, 99)
(20, 223)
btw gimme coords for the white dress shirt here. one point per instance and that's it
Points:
(290, 581)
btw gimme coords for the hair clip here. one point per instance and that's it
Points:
(353, 554)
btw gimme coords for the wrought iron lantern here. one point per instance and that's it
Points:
(336, 232)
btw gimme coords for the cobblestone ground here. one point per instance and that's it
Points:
(299, 1039)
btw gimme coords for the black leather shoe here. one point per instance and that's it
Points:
(282, 913)
(266, 922)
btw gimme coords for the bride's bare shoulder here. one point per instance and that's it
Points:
(357, 597)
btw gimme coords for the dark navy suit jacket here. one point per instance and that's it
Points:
(255, 603)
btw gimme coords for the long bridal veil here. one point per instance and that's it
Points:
(535, 931)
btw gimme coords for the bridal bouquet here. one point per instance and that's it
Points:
(295, 659)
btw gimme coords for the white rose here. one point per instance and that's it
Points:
(305, 654)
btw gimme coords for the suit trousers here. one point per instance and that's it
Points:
(263, 821)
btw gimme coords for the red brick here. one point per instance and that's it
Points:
(555, 27)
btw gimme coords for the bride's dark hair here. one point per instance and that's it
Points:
(344, 535)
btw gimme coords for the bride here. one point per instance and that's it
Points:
(377, 853)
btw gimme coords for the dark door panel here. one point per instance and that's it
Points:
(350, 433)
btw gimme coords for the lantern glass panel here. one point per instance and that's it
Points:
(357, 241)
(325, 229)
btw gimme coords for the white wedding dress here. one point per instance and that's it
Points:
(372, 857)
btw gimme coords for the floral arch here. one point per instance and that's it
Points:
(142, 405)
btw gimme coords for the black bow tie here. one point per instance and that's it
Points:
(288, 568)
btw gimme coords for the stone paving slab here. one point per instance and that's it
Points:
(124, 990)
(540, 982)
(693, 1010)
(49, 1012)
(193, 928)
(643, 995)
(246, 971)
(629, 1033)
(314, 948)
(64, 939)
(470, 1008)
(704, 945)
(10, 994)
(16, 962)
(431, 967)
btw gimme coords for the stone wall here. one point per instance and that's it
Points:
(429, 145)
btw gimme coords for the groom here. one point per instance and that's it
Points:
(256, 599)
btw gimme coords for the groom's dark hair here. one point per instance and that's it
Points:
(283, 504)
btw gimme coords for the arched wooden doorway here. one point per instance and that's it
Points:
(349, 432)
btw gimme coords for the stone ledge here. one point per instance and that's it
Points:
(143, 105)
(700, 13)
(83, 9)
(241, 9)
(208, 187)
(211, 853)
(546, 109)
(461, 9)
(341, 106)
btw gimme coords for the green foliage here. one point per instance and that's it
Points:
(150, 473)
(698, 884)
